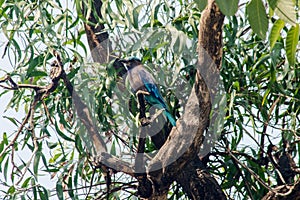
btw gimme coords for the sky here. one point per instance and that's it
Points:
(5, 124)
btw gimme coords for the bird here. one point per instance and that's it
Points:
(140, 79)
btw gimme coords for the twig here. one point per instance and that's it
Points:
(115, 189)
(98, 184)
(16, 86)
(91, 184)
(12, 161)
(34, 139)
(250, 171)
(47, 112)
(17, 134)
(243, 177)
(264, 132)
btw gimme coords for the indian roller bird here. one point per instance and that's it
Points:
(140, 79)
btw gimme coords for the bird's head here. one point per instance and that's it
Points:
(131, 62)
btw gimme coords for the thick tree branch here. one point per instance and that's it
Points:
(97, 35)
(96, 144)
(184, 141)
(197, 183)
(195, 180)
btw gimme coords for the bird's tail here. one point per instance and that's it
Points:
(170, 117)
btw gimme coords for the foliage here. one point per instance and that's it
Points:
(263, 99)
(260, 74)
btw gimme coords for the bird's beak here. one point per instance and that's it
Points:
(123, 61)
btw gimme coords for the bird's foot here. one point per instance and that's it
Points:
(156, 114)
(141, 92)
(145, 121)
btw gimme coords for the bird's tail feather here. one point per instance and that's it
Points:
(170, 117)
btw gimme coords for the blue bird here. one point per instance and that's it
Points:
(140, 79)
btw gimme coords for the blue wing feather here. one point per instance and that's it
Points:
(155, 97)
(152, 89)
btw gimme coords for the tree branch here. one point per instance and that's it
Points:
(195, 180)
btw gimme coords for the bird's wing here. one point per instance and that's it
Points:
(150, 85)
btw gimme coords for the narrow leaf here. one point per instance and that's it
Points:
(34, 190)
(38, 60)
(257, 18)
(61, 134)
(228, 7)
(43, 192)
(36, 162)
(265, 96)
(201, 4)
(275, 32)
(285, 9)
(6, 169)
(59, 190)
(25, 183)
(36, 73)
(292, 40)
(11, 119)
(136, 11)
(70, 188)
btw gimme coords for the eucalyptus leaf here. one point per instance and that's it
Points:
(292, 40)
(275, 32)
(257, 17)
(228, 7)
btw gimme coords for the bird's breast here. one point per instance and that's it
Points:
(135, 81)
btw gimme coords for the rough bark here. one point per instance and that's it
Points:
(96, 35)
(184, 141)
(195, 180)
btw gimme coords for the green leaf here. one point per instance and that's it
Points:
(1, 149)
(18, 49)
(201, 4)
(70, 188)
(154, 13)
(36, 73)
(34, 190)
(36, 162)
(11, 119)
(11, 190)
(43, 193)
(292, 39)
(228, 7)
(275, 32)
(135, 14)
(285, 9)
(59, 190)
(78, 143)
(6, 169)
(25, 183)
(257, 18)
(38, 60)
(61, 134)
(113, 148)
(51, 145)
(1, 2)
(5, 139)
(265, 96)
